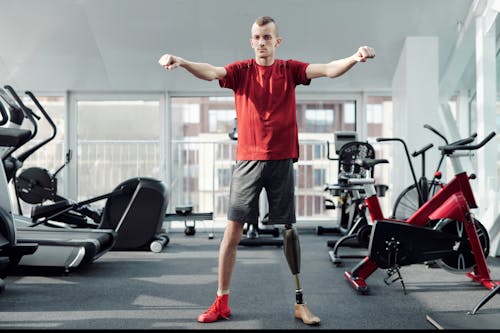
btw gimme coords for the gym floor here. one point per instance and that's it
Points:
(167, 290)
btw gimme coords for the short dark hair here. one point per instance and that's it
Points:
(263, 20)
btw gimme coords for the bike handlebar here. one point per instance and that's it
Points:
(409, 160)
(435, 131)
(328, 152)
(387, 139)
(462, 144)
(464, 141)
(423, 150)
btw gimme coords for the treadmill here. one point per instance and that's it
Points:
(61, 249)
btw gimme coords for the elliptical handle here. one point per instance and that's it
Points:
(3, 113)
(29, 113)
(25, 110)
(27, 153)
(45, 114)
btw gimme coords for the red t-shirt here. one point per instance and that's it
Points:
(265, 107)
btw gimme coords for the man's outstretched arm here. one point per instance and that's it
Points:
(338, 67)
(202, 71)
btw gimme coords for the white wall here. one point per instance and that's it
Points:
(415, 94)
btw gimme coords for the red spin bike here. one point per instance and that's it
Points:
(442, 229)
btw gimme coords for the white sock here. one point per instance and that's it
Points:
(222, 292)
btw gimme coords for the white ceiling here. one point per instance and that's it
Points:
(114, 45)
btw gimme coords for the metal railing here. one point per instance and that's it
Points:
(201, 175)
(201, 172)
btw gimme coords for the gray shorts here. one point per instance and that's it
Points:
(247, 181)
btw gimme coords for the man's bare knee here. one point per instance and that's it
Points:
(233, 233)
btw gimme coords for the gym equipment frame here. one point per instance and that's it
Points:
(457, 240)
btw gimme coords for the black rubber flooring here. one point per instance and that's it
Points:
(167, 290)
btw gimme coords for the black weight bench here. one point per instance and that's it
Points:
(185, 213)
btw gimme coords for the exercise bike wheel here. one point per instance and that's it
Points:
(407, 202)
(463, 260)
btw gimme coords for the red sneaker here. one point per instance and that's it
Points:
(219, 309)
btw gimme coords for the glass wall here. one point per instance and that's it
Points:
(119, 137)
(116, 140)
(203, 153)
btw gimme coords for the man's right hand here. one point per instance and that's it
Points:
(169, 61)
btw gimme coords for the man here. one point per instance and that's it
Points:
(264, 89)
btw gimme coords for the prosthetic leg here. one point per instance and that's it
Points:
(291, 247)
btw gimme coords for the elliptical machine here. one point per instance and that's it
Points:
(135, 209)
(56, 248)
(11, 251)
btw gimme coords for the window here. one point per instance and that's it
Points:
(317, 116)
(349, 113)
(116, 140)
(220, 120)
(215, 152)
(374, 113)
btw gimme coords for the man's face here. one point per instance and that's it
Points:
(264, 40)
